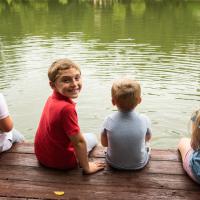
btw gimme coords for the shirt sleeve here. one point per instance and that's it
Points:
(148, 124)
(106, 124)
(70, 121)
(3, 107)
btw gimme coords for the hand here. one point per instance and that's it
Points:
(94, 167)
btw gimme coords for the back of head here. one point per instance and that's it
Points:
(126, 94)
(59, 65)
(195, 139)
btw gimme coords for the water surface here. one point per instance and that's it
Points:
(155, 42)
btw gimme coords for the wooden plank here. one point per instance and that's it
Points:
(99, 152)
(156, 154)
(165, 167)
(107, 178)
(45, 191)
(13, 198)
(18, 159)
(21, 177)
(22, 148)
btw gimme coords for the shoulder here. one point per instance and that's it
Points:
(144, 118)
(68, 109)
(2, 102)
(2, 97)
(111, 116)
(61, 103)
(109, 120)
(60, 106)
(3, 107)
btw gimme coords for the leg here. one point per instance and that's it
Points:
(184, 146)
(91, 141)
(17, 136)
(186, 152)
(7, 144)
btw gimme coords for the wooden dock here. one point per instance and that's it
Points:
(21, 177)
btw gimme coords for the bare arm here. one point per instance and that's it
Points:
(104, 138)
(6, 124)
(79, 144)
(148, 135)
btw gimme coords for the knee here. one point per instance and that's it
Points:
(183, 142)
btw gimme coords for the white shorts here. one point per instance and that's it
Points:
(91, 141)
(7, 139)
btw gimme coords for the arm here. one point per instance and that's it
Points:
(6, 124)
(104, 138)
(79, 144)
(148, 135)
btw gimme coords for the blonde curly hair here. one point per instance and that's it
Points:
(126, 93)
(195, 138)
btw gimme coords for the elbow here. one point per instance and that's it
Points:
(104, 139)
(148, 138)
(6, 124)
(79, 144)
(104, 143)
(8, 129)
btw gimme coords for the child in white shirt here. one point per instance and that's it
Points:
(8, 135)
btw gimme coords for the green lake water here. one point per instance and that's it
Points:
(154, 41)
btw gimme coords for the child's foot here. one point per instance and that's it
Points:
(17, 136)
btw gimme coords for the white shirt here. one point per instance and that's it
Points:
(4, 136)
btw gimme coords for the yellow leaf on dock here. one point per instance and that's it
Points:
(59, 193)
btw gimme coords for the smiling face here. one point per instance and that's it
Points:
(68, 83)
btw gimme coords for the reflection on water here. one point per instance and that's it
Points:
(156, 42)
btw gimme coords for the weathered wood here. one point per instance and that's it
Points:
(22, 177)
(22, 148)
(156, 154)
(45, 190)
(22, 159)
(99, 152)
(106, 178)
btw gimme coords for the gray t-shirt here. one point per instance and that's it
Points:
(126, 133)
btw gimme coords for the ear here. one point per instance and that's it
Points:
(113, 102)
(52, 84)
(139, 100)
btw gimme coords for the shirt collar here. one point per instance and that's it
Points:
(59, 96)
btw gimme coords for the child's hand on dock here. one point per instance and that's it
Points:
(94, 167)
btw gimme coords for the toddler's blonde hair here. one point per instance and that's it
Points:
(195, 138)
(126, 93)
(59, 65)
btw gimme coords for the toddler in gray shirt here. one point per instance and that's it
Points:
(126, 132)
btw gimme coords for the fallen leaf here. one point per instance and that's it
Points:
(59, 193)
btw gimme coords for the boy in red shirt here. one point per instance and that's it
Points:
(58, 141)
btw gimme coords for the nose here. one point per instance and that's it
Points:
(74, 82)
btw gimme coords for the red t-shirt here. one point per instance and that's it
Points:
(59, 120)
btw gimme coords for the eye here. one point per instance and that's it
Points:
(67, 80)
(77, 78)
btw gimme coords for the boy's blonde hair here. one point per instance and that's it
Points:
(126, 93)
(58, 66)
(195, 138)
